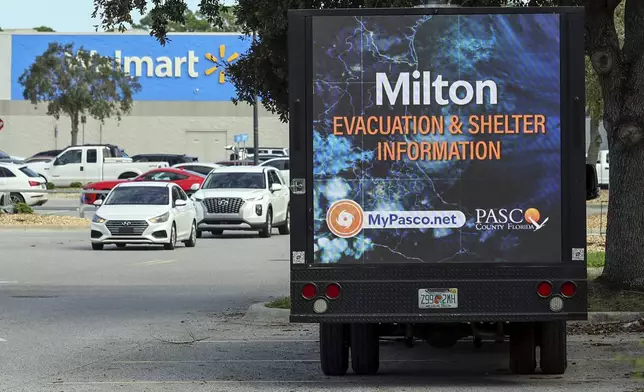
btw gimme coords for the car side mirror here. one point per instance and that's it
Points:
(194, 187)
(276, 187)
(180, 203)
(592, 184)
(98, 202)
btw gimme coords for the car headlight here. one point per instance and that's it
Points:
(257, 198)
(98, 219)
(161, 218)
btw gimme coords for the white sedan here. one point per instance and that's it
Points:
(20, 177)
(144, 213)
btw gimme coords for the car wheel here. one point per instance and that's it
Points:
(173, 238)
(286, 227)
(120, 245)
(268, 226)
(97, 246)
(192, 241)
(16, 198)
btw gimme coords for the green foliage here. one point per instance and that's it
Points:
(280, 303)
(76, 184)
(51, 185)
(78, 83)
(595, 259)
(23, 208)
(194, 22)
(44, 29)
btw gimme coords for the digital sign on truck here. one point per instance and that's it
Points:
(437, 138)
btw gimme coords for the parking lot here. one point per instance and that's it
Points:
(146, 319)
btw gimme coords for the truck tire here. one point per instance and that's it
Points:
(365, 348)
(522, 348)
(553, 347)
(334, 349)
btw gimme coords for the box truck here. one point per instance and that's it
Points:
(438, 180)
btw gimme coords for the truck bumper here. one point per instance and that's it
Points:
(390, 294)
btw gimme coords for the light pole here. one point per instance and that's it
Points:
(255, 124)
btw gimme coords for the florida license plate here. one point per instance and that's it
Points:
(438, 298)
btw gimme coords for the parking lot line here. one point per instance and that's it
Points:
(2, 340)
(155, 262)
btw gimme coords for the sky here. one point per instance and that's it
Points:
(69, 16)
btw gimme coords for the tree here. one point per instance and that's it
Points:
(44, 29)
(194, 22)
(78, 83)
(594, 99)
(619, 69)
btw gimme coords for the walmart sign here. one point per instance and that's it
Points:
(185, 69)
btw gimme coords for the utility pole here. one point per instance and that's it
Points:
(255, 124)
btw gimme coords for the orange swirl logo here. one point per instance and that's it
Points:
(345, 218)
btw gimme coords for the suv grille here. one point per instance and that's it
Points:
(126, 228)
(223, 205)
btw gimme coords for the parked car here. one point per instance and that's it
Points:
(6, 158)
(171, 159)
(144, 213)
(281, 164)
(198, 167)
(91, 163)
(243, 198)
(188, 181)
(20, 177)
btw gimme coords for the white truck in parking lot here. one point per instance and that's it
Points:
(90, 163)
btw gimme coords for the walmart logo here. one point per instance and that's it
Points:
(222, 54)
(177, 66)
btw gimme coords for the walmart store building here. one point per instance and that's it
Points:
(184, 105)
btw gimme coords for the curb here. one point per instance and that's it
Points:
(614, 317)
(41, 227)
(259, 314)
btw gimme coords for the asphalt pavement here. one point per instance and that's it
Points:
(147, 319)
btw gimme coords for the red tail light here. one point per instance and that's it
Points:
(332, 291)
(568, 289)
(309, 291)
(544, 289)
(34, 183)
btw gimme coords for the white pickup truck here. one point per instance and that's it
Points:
(86, 164)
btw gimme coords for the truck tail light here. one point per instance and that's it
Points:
(34, 183)
(332, 291)
(568, 289)
(544, 289)
(309, 291)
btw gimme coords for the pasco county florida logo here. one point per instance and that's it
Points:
(345, 218)
(510, 219)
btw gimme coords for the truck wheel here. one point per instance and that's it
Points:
(522, 348)
(334, 349)
(554, 358)
(365, 348)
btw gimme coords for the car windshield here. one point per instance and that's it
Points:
(235, 180)
(4, 155)
(28, 172)
(139, 195)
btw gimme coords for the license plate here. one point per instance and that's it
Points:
(438, 298)
(126, 230)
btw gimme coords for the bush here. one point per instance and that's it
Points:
(76, 185)
(23, 208)
(280, 303)
(50, 185)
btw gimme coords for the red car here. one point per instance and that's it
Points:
(184, 178)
